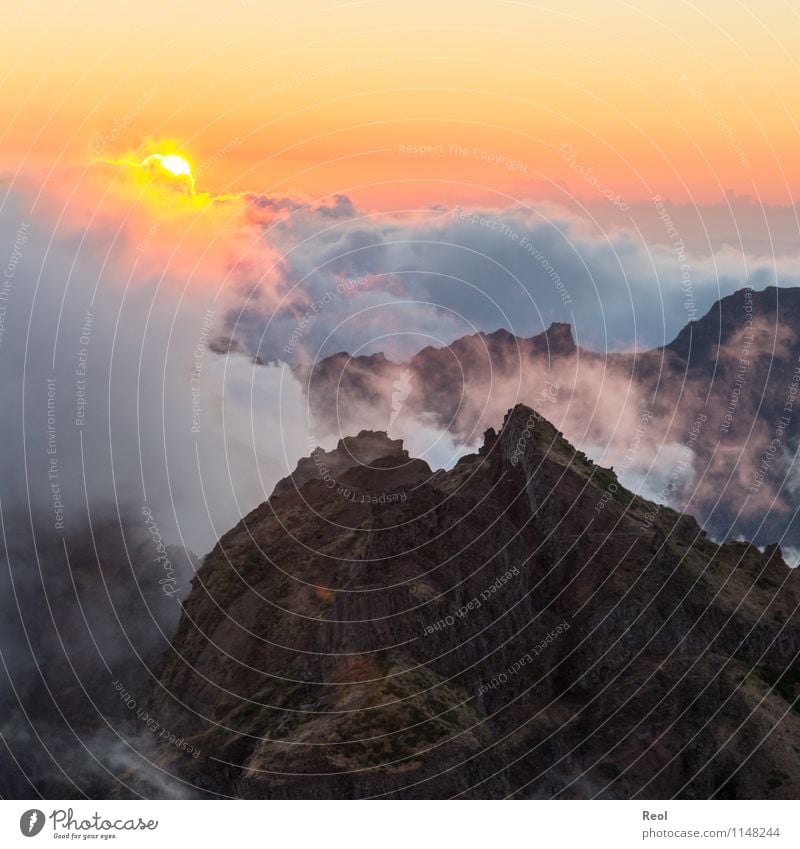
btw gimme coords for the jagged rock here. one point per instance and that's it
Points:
(369, 457)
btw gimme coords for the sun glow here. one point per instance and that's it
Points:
(173, 166)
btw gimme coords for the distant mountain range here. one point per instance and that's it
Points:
(519, 625)
(725, 389)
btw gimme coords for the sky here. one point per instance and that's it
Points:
(404, 104)
(362, 177)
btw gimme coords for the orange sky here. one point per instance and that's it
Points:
(687, 100)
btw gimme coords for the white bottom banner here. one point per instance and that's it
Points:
(400, 825)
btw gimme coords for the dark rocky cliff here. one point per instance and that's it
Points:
(518, 625)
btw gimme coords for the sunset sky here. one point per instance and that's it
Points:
(326, 316)
(507, 100)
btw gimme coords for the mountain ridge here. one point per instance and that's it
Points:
(736, 366)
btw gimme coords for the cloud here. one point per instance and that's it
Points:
(114, 404)
(359, 282)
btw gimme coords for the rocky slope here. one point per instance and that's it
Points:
(520, 625)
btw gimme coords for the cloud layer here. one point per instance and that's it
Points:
(365, 283)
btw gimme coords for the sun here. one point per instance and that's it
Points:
(173, 163)
(176, 165)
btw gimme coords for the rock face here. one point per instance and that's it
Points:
(738, 367)
(520, 625)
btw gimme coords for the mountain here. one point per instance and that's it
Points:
(736, 371)
(518, 625)
(342, 389)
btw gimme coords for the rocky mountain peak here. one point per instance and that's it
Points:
(370, 445)
(560, 339)
(359, 459)
(700, 340)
